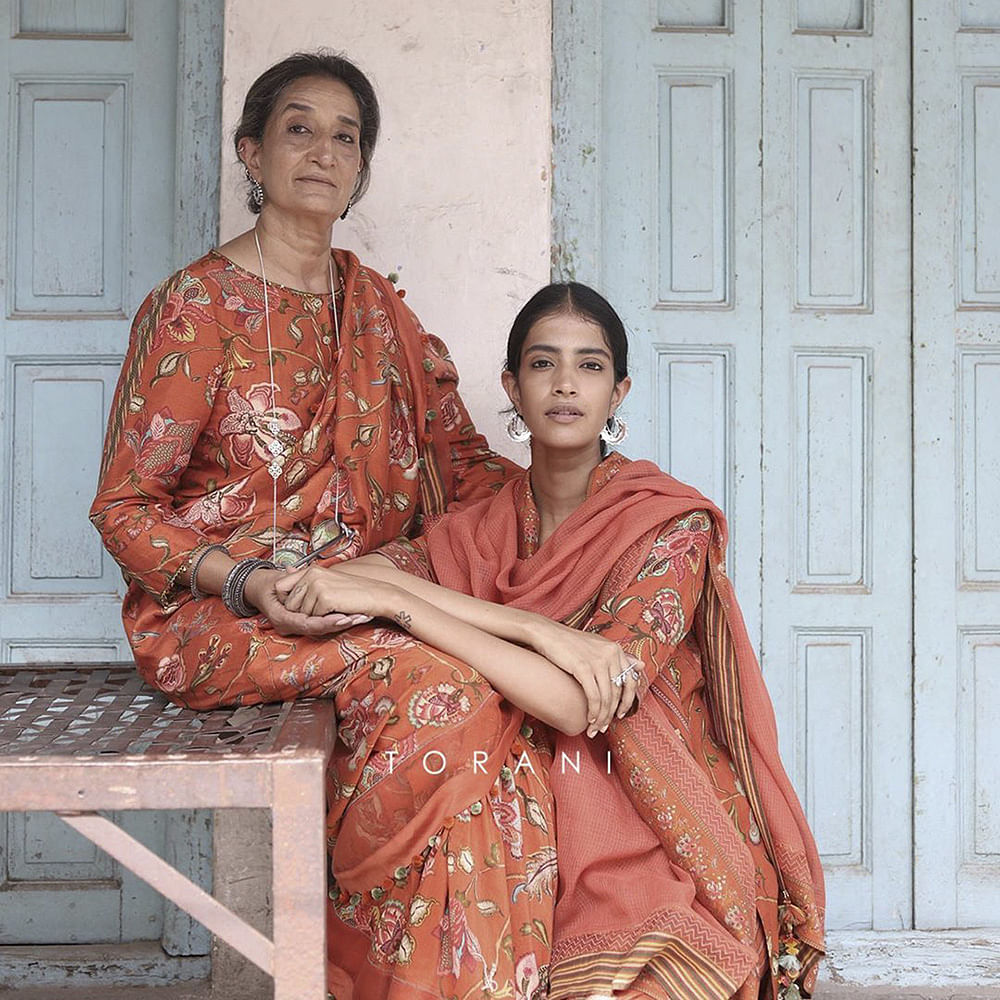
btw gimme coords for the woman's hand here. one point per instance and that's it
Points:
(262, 592)
(594, 662)
(328, 590)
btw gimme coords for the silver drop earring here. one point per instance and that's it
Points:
(517, 429)
(256, 190)
(350, 201)
(614, 431)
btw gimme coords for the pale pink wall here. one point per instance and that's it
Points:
(459, 200)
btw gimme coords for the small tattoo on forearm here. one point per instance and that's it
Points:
(402, 619)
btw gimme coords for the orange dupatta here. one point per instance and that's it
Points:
(609, 535)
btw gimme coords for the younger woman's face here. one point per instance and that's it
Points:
(565, 385)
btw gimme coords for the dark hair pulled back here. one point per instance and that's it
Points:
(267, 88)
(576, 299)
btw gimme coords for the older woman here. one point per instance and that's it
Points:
(277, 401)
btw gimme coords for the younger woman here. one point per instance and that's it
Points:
(598, 604)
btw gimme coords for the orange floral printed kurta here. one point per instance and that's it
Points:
(449, 888)
(375, 430)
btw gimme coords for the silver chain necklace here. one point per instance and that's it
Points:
(271, 423)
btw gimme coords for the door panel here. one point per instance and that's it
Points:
(956, 296)
(100, 90)
(60, 888)
(69, 250)
(59, 409)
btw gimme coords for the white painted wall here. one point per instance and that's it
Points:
(458, 206)
(459, 199)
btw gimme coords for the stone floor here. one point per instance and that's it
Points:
(847, 991)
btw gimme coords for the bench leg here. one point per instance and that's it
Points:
(300, 880)
(169, 882)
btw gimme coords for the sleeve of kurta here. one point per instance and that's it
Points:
(163, 402)
(410, 556)
(477, 470)
(653, 613)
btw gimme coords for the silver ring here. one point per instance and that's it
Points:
(635, 674)
(621, 677)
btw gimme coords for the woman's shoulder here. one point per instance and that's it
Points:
(640, 472)
(199, 272)
(615, 463)
(648, 474)
(362, 275)
(207, 267)
(379, 291)
(674, 504)
(367, 280)
(185, 301)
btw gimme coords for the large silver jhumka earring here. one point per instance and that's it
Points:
(614, 431)
(517, 429)
(256, 190)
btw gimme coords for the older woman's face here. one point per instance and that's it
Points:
(310, 155)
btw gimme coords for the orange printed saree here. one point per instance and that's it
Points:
(686, 867)
(441, 831)
(440, 818)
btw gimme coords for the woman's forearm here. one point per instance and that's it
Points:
(523, 677)
(213, 569)
(591, 661)
(498, 620)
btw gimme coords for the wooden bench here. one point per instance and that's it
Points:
(95, 737)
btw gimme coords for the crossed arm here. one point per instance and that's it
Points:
(560, 675)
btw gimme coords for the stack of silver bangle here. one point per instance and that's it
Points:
(233, 589)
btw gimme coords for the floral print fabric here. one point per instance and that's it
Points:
(374, 431)
(442, 834)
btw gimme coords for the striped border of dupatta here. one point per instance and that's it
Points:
(684, 972)
(727, 706)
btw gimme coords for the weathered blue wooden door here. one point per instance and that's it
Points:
(736, 177)
(97, 125)
(806, 252)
